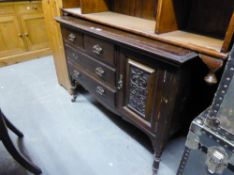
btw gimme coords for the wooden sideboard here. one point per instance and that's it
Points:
(146, 61)
(22, 32)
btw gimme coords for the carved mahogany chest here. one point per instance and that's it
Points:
(146, 82)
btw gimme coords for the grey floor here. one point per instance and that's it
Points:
(65, 138)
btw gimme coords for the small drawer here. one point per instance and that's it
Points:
(29, 8)
(102, 92)
(99, 49)
(6, 9)
(99, 70)
(71, 53)
(72, 37)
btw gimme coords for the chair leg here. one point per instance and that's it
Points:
(18, 156)
(12, 127)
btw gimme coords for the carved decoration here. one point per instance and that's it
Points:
(138, 82)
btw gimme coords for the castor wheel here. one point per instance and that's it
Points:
(73, 100)
(156, 164)
(155, 171)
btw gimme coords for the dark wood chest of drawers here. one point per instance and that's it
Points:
(146, 82)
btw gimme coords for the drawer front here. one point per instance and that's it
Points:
(29, 8)
(99, 70)
(99, 49)
(71, 53)
(101, 92)
(6, 9)
(72, 37)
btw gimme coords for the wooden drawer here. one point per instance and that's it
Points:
(101, 91)
(72, 37)
(6, 9)
(99, 49)
(29, 8)
(99, 70)
(71, 53)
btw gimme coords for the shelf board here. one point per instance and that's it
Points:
(117, 20)
(193, 39)
(199, 43)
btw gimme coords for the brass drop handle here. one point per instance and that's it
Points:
(100, 90)
(99, 71)
(75, 56)
(71, 37)
(97, 49)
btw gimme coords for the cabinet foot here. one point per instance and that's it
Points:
(73, 91)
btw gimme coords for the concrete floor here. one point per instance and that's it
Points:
(65, 138)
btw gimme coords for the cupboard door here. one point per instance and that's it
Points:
(138, 90)
(35, 31)
(11, 40)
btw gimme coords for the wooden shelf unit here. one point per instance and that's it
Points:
(205, 23)
(175, 22)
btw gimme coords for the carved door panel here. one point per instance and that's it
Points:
(137, 91)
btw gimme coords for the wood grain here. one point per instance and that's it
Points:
(166, 17)
(228, 40)
(94, 6)
(161, 50)
(139, 8)
(22, 32)
(194, 39)
(51, 9)
(13, 59)
(200, 43)
(71, 3)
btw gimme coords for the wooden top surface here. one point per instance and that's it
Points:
(18, 0)
(166, 52)
(145, 27)
(126, 21)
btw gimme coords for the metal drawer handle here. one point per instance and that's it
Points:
(35, 8)
(71, 37)
(76, 74)
(100, 90)
(21, 35)
(99, 71)
(97, 49)
(120, 82)
(75, 56)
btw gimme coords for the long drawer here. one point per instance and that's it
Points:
(94, 86)
(98, 69)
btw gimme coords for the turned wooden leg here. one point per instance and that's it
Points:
(18, 156)
(214, 65)
(158, 143)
